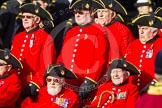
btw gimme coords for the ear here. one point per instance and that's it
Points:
(128, 73)
(92, 12)
(37, 19)
(113, 14)
(46, 4)
(62, 81)
(150, 9)
(155, 32)
(9, 67)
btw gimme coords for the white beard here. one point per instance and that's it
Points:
(53, 90)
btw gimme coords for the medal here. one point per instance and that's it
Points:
(31, 41)
(149, 52)
(122, 95)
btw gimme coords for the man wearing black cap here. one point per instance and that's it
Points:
(151, 99)
(119, 35)
(10, 84)
(85, 48)
(142, 51)
(34, 48)
(54, 95)
(144, 6)
(118, 93)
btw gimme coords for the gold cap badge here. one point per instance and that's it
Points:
(6, 57)
(110, 5)
(36, 10)
(87, 6)
(62, 72)
(125, 65)
(151, 22)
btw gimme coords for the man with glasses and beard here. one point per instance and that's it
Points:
(54, 95)
(34, 48)
(85, 48)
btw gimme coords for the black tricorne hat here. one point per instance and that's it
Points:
(158, 11)
(86, 5)
(115, 6)
(59, 70)
(10, 59)
(36, 9)
(158, 62)
(150, 20)
(123, 64)
(143, 3)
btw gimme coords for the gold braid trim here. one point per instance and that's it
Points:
(155, 90)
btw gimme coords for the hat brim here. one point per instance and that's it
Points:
(58, 70)
(148, 20)
(115, 6)
(158, 11)
(117, 63)
(10, 59)
(141, 4)
(83, 5)
(36, 10)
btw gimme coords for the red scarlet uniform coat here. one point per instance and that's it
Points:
(125, 96)
(10, 90)
(35, 50)
(143, 56)
(151, 99)
(67, 98)
(84, 52)
(119, 37)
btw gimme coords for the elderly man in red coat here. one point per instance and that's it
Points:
(34, 48)
(10, 84)
(54, 95)
(142, 51)
(117, 93)
(151, 99)
(85, 48)
(119, 34)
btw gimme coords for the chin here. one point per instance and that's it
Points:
(54, 90)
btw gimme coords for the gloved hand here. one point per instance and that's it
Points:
(31, 90)
(86, 87)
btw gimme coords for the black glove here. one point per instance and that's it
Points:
(31, 90)
(86, 87)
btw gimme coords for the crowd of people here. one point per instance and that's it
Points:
(79, 54)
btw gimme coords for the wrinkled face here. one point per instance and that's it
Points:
(146, 33)
(29, 21)
(4, 67)
(105, 16)
(82, 17)
(54, 84)
(144, 9)
(118, 76)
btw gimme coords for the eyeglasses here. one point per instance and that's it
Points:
(53, 79)
(27, 17)
(79, 12)
(1, 64)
